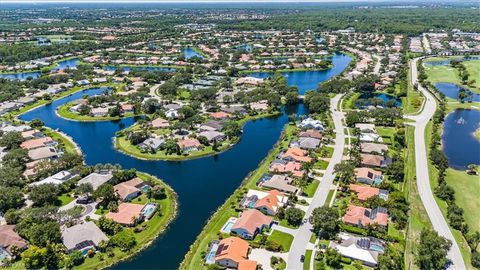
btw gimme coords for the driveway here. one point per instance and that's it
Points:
(89, 209)
(262, 256)
(423, 180)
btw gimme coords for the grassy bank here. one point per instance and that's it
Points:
(64, 112)
(194, 258)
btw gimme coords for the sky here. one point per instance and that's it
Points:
(190, 1)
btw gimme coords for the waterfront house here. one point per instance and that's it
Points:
(361, 216)
(250, 223)
(43, 153)
(213, 135)
(233, 252)
(310, 123)
(266, 202)
(128, 214)
(189, 145)
(160, 123)
(130, 189)
(83, 237)
(37, 143)
(279, 182)
(310, 133)
(295, 154)
(56, 179)
(151, 144)
(308, 143)
(284, 166)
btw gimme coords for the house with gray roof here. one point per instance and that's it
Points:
(96, 179)
(43, 153)
(83, 237)
(308, 143)
(212, 135)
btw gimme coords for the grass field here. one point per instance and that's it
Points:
(284, 239)
(311, 188)
(308, 257)
(448, 74)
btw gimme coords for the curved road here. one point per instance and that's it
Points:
(302, 236)
(423, 181)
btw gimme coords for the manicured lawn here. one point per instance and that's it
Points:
(311, 188)
(155, 226)
(65, 143)
(193, 259)
(449, 74)
(65, 199)
(313, 238)
(414, 100)
(284, 239)
(308, 257)
(467, 188)
(386, 133)
(329, 196)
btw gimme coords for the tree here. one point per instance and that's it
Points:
(473, 240)
(84, 188)
(115, 110)
(125, 240)
(392, 259)
(317, 102)
(15, 158)
(36, 123)
(40, 234)
(432, 250)
(76, 257)
(203, 140)
(34, 257)
(106, 194)
(333, 258)
(151, 105)
(345, 170)
(294, 216)
(109, 226)
(138, 137)
(84, 109)
(10, 198)
(232, 129)
(170, 147)
(45, 194)
(11, 140)
(291, 97)
(325, 222)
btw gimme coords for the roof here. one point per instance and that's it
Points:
(280, 182)
(364, 192)
(358, 215)
(365, 172)
(9, 238)
(291, 166)
(297, 154)
(251, 220)
(189, 143)
(357, 248)
(123, 190)
(36, 143)
(308, 143)
(160, 123)
(211, 134)
(372, 160)
(233, 248)
(220, 115)
(126, 212)
(42, 152)
(247, 265)
(373, 147)
(311, 133)
(96, 179)
(77, 234)
(270, 201)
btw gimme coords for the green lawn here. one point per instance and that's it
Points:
(66, 144)
(284, 239)
(155, 226)
(65, 199)
(311, 188)
(193, 259)
(448, 74)
(329, 196)
(308, 257)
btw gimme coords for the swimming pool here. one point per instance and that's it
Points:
(228, 225)
(210, 257)
(149, 209)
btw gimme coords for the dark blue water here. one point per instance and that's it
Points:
(202, 184)
(70, 63)
(459, 143)
(452, 90)
(129, 68)
(308, 80)
(365, 100)
(190, 52)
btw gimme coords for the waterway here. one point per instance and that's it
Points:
(452, 91)
(309, 80)
(190, 53)
(202, 184)
(448, 60)
(458, 140)
(69, 63)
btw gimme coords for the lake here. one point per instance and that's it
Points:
(202, 184)
(190, 52)
(308, 80)
(459, 144)
(381, 99)
(447, 61)
(452, 90)
(69, 63)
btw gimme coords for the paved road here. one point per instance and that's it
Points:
(303, 234)
(423, 183)
(376, 69)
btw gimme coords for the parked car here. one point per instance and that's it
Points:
(302, 258)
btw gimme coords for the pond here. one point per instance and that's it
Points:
(458, 140)
(69, 63)
(377, 99)
(190, 52)
(308, 80)
(447, 61)
(202, 184)
(452, 91)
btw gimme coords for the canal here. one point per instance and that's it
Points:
(202, 185)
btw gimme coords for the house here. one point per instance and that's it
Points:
(296, 154)
(310, 123)
(211, 125)
(366, 128)
(83, 237)
(372, 148)
(250, 223)
(310, 133)
(220, 115)
(9, 106)
(364, 249)
(374, 160)
(96, 179)
(32, 134)
(56, 179)
(160, 123)
(261, 105)
(361, 216)
(234, 110)
(278, 182)
(308, 143)
(213, 135)
(368, 176)
(284, 166)
(365, 192)
(99, 111)
(233, 252)
(189, 145)
(37, 143)
(130, 189)
(172, 113)
(83, 82)
(151, 144)
(127, 108)
(128, 214)
(43, 153)
(266, 202)
(370, 137)
(9, 239)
